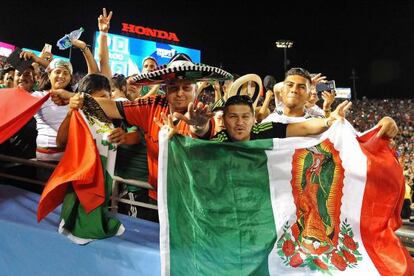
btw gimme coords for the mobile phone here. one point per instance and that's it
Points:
(47, 48)
(325, 86)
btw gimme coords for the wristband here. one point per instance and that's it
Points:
(103, 34)
(83, 50)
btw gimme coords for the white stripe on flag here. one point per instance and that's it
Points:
(284, 209)
(101, 139)
(162, 202)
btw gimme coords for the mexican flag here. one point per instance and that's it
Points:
(297, 206)
(83, 181)
(17, 107)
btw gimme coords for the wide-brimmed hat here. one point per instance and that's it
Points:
(181, 67)
(239, 87)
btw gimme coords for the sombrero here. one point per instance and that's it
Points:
(181, 67)
(238, 87)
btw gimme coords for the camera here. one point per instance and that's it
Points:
(325, 86)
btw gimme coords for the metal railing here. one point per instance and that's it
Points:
(117, 180)
(115, 198)
(15, 161)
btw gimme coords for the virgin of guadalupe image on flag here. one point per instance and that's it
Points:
(82, 181)
(321, 205)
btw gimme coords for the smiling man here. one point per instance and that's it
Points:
(25, 79)
(179, 77)
(295, 93)
(239, 121)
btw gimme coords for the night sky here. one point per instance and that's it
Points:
(377, 40)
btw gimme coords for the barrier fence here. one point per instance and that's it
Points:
(12, 161)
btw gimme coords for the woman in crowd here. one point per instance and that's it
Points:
(50, 116)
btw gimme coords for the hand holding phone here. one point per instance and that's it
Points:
(325, 86)
(46, 53)
(47, 48)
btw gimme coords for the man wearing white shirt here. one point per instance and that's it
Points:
(294, 94)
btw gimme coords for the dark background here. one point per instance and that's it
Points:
(376, 39)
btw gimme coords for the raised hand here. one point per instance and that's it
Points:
(78, 44)
(46, 56)
(167, 121)
(389, 128)
(317, 78)
(104, 21)
(198, 116)
(340, 112)
(26, 55)
(328, 99)
(201, 85)
(76, 101)
(60, 96)
(216, 86)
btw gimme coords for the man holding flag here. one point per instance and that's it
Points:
(291, 206)
(179, 75)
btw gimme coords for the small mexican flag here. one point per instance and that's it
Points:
(82, 181)
(17, 107)
(298, 206)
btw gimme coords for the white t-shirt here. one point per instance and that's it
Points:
(279, 117)
(315, 111)
(48, 120)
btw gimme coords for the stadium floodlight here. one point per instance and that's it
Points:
(284, 44)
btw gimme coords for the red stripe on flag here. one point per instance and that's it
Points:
(382, 203)
(80, 164)
(17, 107)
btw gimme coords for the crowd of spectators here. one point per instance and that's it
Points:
(366, 112)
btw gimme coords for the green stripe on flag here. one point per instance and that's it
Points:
(219, 209)
(98, 224)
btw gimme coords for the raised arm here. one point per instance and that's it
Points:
(62, 97)
(388, 128)
(201, 85)
(87, 54)
(75, 102)
(198, 118)
(103, 53)
(264, 109)
(328, 99)
(317, 125)
(217, 91)
(30, 55)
